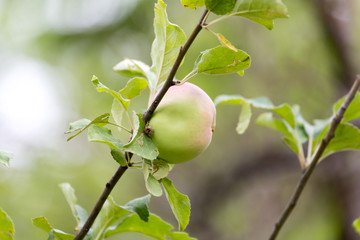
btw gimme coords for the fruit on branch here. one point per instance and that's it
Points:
(183, 123)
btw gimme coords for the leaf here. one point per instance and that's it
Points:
(168, 40)
(267, 120)
(140, 207)
(78, 125)
(284, 110)
(193, 4)
(179, 203)
(244, 119)
(131, 68)
(133, 88)
(180, 236)
(152, 185)
(102, 88)
(109, 215)
(221, 60)
(82, 124)
(155, 227)
(356, 225)
(226, 43)
(118, 156)
(43, 223)
(141, 144)
(134, 68)
(352, 112)
(220, 7)
(79, 213)
(103, 135)
(262, 12)
(5, 158)
(117, 111)
(160, 169)
(347, 137)
(7, 230)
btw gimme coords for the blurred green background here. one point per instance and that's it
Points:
(50, 49)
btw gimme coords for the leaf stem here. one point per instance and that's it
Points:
(147, 115)
(309, 150)
(308, 171)
(123, 128)
(192, 74)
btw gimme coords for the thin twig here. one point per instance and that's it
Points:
(121, 170)
(307, 173)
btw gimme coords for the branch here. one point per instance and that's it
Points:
(169, 81)
(147, 115)
(307, 173)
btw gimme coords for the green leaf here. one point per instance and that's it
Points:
(141, 144)
(110, 214)
(347, 137)
(356, 225)
(134, 68)
(103, 135)
(82, 124)
(220, 7)
(222, 60)
(284, 110)
(244, 119)
(193, 4)
(118, 156)
(140, 207)
(117, 112)
(43, 223)
(267, 119)
(78, 125)
(152, 185)
(7, 230)
(352, 112)
(160, 169)
(226, 43)
(131, 68)
(102, 88)
(155, 227)
(5, 158)
(262, 11)
(179, 203)
(168, 40)
(180, 236)
(79, 213)
(133, 88)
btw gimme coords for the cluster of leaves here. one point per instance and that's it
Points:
(298, 133)
(113, 219)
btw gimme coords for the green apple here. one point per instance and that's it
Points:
(183, 123)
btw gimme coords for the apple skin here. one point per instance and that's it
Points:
(183, 123)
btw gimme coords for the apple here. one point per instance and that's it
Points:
(183, 123)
